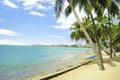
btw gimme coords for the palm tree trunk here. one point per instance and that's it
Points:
(105, 49)
(98, 47)
(113, 52)
(88, 37)
(110, 34)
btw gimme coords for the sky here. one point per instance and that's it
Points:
(33, 22)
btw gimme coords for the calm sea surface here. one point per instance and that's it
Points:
(19, 62)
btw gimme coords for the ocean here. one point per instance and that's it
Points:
(20, 62)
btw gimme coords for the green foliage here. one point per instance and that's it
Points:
(101, 20)
(58, 7)
(68, 10)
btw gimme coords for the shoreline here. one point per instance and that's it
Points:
(61, 74)
(91, 71)
(66, 63)
(33, 61)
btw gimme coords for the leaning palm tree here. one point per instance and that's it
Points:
(58, 8)
(71, 7)
(88, 7)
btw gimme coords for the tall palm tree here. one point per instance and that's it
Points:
(102, 29)
(72, 4)
(88, 6)
(58, 8)
(103, 33)
(113, 10)
(116, 34)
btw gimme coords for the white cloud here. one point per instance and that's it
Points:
(9, 3)
(36, 13)
(12, 42)
(7, 32)
(41, 7)
(29, 4)
(37, 4)
(49, 1)
(65, 23)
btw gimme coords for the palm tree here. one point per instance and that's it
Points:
(72, 4)
(103, 33)
(102, 29)
(116, 35)
(77, 33)
(113, 10)
(58, 8)
(88, 6)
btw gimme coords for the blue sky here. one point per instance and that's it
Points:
(33, 22)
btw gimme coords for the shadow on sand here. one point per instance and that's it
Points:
(108, 61)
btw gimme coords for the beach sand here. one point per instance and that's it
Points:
(91, 71)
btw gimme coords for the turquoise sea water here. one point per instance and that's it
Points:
(19, 62)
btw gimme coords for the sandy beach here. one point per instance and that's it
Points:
(91, 71)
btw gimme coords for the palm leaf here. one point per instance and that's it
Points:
(68, 10)
(58, 7)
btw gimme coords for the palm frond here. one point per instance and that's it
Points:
(58, 7)
(68, 10)
(114, 9)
